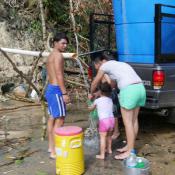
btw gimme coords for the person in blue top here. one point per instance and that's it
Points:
(131, 97)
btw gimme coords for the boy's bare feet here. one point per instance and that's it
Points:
(124, 149)
(100, 157)
(122, 155)
(52, 156)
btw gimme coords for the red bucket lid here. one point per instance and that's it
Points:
(68, 130)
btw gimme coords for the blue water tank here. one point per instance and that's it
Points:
(135, 29)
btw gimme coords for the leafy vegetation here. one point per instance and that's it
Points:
(24, 17)
(19, 162)
(35, 26)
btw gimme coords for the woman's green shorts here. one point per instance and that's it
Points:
(132, 96)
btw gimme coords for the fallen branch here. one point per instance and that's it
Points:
(44, 118)
(7, 163)
(23, 154)
(70, 71)
(83, 63)
(19, 157)
(17, 98)
(18, 107)
(75, 83)
(32, 72)
(43, 105)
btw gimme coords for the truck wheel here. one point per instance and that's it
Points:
(171, 116)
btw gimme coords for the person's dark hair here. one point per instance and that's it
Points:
(101, 57)
(105, 89)
(59, 36)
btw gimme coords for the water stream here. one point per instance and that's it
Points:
(83, 73)
(91, 139)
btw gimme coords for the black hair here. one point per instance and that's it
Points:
(101, 57)
(59, 36)
(105, 89)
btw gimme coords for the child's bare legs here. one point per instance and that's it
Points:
(52, 125)
(116, 132)
(102, 145)
(109, 142)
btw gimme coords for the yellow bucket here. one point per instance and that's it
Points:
(69, 151)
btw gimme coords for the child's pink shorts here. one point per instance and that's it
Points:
(106, 124)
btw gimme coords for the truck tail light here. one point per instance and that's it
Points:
(158, 79)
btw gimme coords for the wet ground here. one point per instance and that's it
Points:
(156, 142)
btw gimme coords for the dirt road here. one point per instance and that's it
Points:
(156, 142)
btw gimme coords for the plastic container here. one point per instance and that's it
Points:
(69, 151)
(131, 161)
(93, 114)
(140, 163)
(145, 170)
(34, 95)
(135, 29)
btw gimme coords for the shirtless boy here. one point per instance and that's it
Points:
(56, 94)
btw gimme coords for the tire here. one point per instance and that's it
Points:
(171, 116)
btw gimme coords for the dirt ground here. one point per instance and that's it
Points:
(23, 152)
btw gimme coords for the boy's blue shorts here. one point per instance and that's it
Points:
(56, 105)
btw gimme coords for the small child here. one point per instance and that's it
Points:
(104, 106)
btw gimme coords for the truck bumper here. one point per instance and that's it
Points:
(157, 99)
